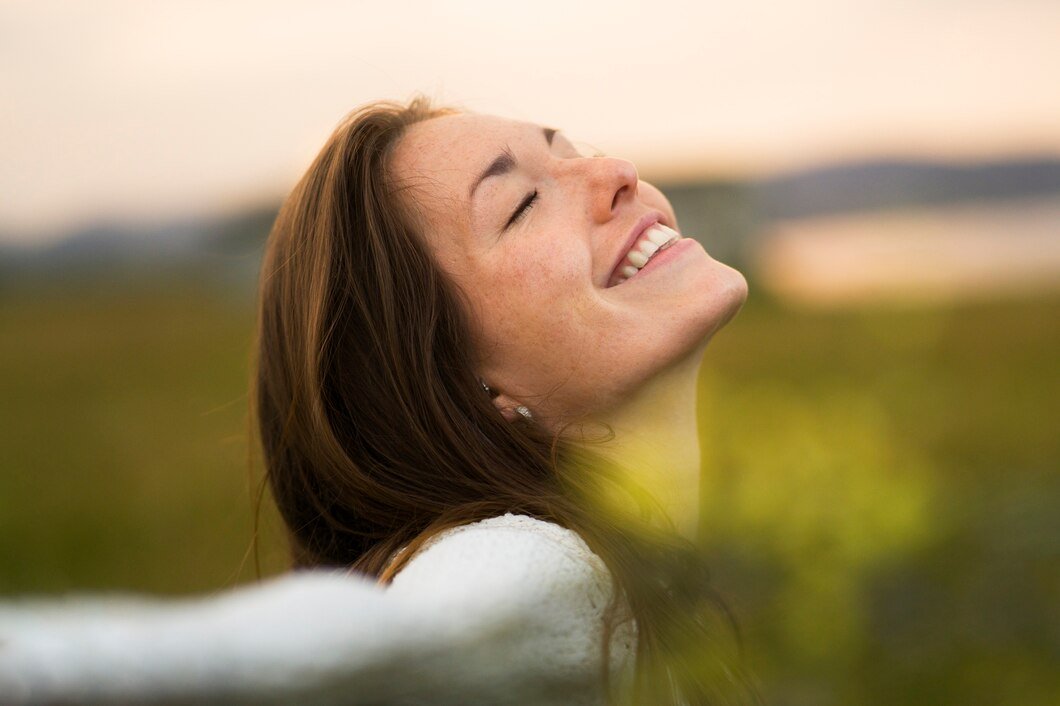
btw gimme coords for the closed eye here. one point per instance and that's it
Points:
(525, 206)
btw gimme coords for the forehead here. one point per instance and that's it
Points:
(437, 160)
(460, 140)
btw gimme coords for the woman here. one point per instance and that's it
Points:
(450, 303)
(477, 362)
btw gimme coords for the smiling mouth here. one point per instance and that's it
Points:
(652, 241)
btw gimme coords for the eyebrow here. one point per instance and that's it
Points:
(504, 163)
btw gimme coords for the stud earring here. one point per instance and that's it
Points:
(521, 409)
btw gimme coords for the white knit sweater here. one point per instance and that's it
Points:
(506, 610)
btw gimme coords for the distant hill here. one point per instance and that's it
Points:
(729, 217)
(726, 215)
(842, 188)
(218, 243)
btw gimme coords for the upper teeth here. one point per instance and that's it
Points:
(655, 238)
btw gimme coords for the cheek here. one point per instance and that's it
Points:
(546, 266)
(527, 302)
(533, 299)
(540, 275)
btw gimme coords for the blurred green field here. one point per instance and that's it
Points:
(883, 500)
(881, 496)
(124, 432)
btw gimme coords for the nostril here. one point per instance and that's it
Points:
(618, 195)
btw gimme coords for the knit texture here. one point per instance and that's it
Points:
(507, 610)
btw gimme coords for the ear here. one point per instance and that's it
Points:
(506, 406)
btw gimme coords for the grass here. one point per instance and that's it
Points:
(124, 437)
(879, 499)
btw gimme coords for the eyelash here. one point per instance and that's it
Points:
(525, 206)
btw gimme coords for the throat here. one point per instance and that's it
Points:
(657, 443)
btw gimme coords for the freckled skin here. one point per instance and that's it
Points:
(548, 332)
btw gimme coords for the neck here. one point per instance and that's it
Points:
(657, 442)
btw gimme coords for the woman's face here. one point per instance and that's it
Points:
(536, 235)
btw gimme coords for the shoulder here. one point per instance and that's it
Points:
(523, 555)
(534, 585)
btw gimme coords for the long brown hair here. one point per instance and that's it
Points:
(377, 434)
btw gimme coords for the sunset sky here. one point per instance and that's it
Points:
(144, 110)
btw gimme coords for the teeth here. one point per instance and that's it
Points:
(657, 235)
(647, 247)
(638, 258)
(657, 238)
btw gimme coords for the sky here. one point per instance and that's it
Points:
(136, 110)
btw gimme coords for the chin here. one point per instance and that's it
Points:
(734, 294)
(721, 293)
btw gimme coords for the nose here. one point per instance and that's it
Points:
(611, 181)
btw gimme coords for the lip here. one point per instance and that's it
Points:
(646, 221)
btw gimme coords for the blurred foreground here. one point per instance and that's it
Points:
(880, 494)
